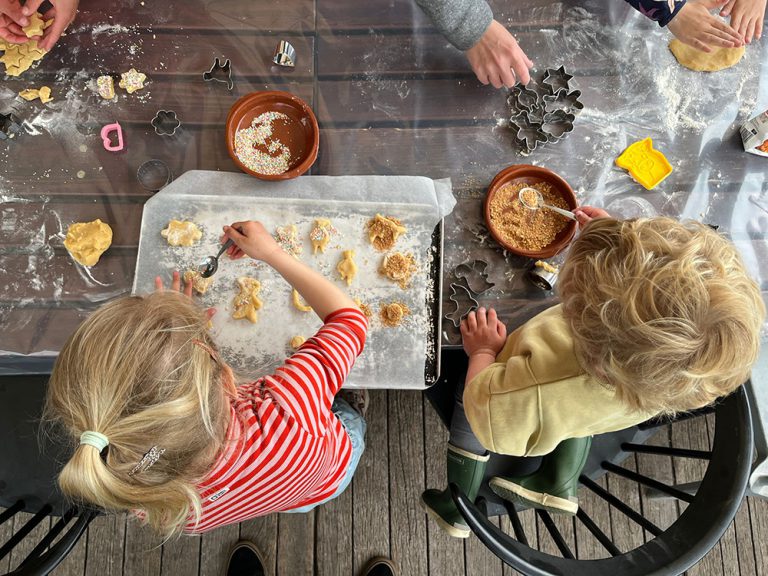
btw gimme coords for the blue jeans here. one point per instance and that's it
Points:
(355, 426)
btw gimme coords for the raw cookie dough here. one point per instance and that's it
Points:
(346, 267)
(19, 58)
(247, 302)
(321, 234)
(718, 59)
(105, 86)
(87, 241)
(36, 26)
(399, 268)
(298, 302)
(288, 238)
(199, 284)
(132, 80)
(44, 93)
(393, 314)
(383, 231)
(181, 233)
(297, 341)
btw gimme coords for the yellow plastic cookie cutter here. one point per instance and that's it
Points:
(645, 164)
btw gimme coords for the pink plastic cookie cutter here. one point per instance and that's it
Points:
(106, 138)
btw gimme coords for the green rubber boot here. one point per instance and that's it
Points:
(466, 471)
(553, 487)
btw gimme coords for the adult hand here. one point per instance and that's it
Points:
(483, 333)
(696, 26)
(746, 17)
(251, 238)
(11, 21)
(585, 214)
(497, 58)
(63, 13)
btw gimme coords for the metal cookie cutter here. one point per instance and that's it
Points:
(562, 99)
(474, 274)
(527, 134)
(10, 125)
(220, 73)
(285, 54)
(165, 123)
(557, 79)
(543, 275)
(154, 175)
(557, 124)
(465, 303)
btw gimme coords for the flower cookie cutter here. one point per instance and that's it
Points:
(165, 123)
(645, 164)
(285, 54)
(220, 73)
(106, 138)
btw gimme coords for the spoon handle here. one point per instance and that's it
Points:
(226, 245)
(566, 213)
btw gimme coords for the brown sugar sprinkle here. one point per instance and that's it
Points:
(522, 227)
(364, 308)
(383, 231)
(399, 268)
(393, 314)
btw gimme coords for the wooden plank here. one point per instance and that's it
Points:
(296, 543)
(181, 555)
(143, 553)
(587, 546)
(105, 541)
(745, 543)
(406, 481)
(334, 550)
(6, 531)
(446, 554)
(74, 563)
(565, 526)
(480, 561)
(758, 515)
(371, 512)
(23, 548)
(215, 547)
(661, 511)
(262, 532)
(626, 535)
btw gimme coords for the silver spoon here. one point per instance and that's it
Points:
(540, 203)
(209, 266)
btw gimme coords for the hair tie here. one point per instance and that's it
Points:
(95, 439)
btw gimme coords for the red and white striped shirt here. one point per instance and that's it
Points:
(285, 447)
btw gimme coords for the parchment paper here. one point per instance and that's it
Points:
(393, 357)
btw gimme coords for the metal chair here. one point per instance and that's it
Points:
(711, 503)
(28, 469)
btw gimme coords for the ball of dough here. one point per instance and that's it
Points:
(87, 241)
(297, 341)
(718, 59)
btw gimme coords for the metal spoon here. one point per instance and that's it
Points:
(540, 203)
(209, 266)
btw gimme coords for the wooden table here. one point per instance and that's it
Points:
(391, 97)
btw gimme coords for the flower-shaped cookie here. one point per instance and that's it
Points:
(132, 80)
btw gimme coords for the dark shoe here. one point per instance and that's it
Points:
(380, 567)
(465, 470)
(245, 560)
(554, 486)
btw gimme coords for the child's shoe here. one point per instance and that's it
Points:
(466, 470)
(554, 486)
(357, 398)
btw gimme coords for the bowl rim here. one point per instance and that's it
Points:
(522, 170)
(276, 95)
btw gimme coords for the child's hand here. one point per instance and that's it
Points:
(63, 13)
(585, 214)
(695, 26)
(176, 287)
(746, 17)
(497, 58)
(483, 334)
(253, 240)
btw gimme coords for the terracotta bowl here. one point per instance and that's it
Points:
(301, 134)
(527, 174)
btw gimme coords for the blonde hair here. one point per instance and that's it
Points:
(663, 311)
(139, 371)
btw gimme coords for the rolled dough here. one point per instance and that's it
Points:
(718, 59)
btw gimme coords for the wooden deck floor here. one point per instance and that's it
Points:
(380, 515)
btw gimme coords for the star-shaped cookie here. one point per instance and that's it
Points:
(35, 27)
(132, 80)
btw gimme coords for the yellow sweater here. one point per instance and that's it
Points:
(536, 394)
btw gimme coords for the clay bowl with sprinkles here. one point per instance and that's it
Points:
(272, 135)
(530, 233)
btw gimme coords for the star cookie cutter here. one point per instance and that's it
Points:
(165, 123)
(285, 54)
(473, 272)
(555, 125)
(465, 303)
(106, 138)
(556, 79)
(563, 100)
(220, 73)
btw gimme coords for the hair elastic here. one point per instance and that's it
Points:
(95, 439)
